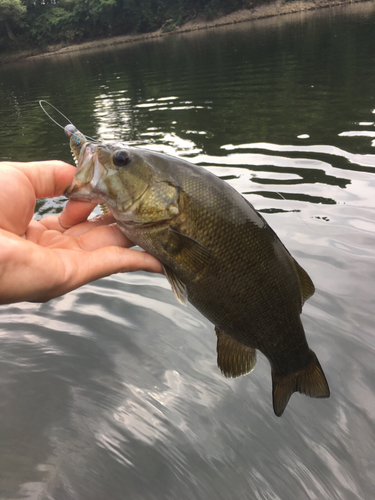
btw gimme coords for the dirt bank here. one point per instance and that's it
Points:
(277, 8)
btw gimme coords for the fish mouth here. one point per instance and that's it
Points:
(89, 172)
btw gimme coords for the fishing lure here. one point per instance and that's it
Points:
(76, 139)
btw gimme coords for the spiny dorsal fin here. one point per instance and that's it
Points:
(310, 381)
(178, 287)
(233, 358)
(306, 285)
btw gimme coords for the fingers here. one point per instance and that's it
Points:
(17, 200)
(111, 260)
(34, 231)
(37, 274)
(104, 236)
(88, 239)
(90, 235)
(75, 212)
(88, 225)
(24, 183)
(80, 268)
(53, 222)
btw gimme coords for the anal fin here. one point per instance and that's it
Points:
(233, 358)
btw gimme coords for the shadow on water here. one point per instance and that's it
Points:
(112, 391)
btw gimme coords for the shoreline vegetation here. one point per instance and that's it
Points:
(260, 11)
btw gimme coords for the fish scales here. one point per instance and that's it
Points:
(232, 232)
(218, 252)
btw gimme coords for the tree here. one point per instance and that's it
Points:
(11, 11)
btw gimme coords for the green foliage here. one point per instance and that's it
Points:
(37, 23)
(49, 26)
(11, 10)
(213, 7)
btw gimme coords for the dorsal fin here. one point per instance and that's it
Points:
(233, 358)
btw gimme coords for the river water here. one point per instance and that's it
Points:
(112, 391)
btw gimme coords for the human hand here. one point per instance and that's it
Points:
(40, 260)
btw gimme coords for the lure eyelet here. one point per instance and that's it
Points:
(70, 129)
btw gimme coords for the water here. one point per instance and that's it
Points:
(112, 391)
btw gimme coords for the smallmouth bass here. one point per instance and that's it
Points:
(217, 252)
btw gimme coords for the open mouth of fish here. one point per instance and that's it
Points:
(89, 171)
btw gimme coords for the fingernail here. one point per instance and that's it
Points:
(62, 225)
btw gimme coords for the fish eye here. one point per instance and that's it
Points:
(121, 158)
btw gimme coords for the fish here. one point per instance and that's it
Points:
(217, 252)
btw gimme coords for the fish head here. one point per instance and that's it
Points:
(129, 180)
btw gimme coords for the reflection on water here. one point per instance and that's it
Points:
(112, 391)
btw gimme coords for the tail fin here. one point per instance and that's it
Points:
(310, 381)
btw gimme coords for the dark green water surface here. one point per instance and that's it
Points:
(112, 391)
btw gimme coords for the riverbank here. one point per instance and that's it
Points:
(276, 8)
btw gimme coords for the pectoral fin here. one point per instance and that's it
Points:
(233, 358)
(178, 287)
(191, 253)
